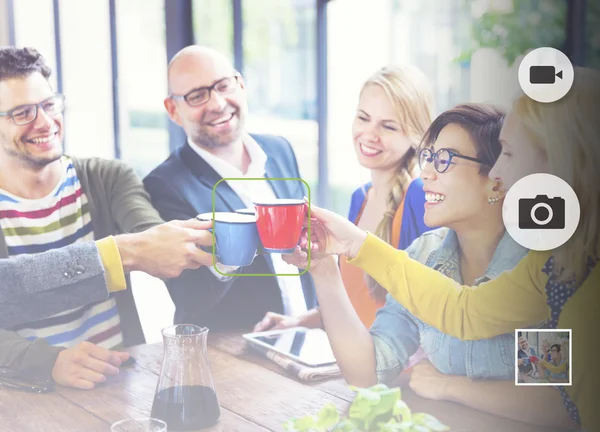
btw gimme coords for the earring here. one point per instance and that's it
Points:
(493, 200)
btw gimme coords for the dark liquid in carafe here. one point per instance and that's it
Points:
(187, 408)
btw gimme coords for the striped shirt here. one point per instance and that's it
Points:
(57, 220)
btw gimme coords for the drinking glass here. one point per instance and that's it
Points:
(147, 424)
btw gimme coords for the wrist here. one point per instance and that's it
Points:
(326, 267)
(452, 387)
(128, 247)
(311, 319)
(356, 244)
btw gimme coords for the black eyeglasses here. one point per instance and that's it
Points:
(201, 95)
(25, 114)
(12, 379)
(442, 159)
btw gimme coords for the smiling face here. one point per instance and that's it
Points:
(458, 195)
(520, 155)
(38, 143)
(523, 344)
(379, 141)
(220, 121)
(555, 352)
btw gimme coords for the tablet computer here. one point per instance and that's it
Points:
(307, 346)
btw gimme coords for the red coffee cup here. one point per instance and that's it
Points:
(533, 359)
(279, 223)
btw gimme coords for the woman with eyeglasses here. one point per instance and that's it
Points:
(394, 110)
(555, 370)
(560, 286)
(456, 154)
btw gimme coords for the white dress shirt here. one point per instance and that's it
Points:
(292, 294)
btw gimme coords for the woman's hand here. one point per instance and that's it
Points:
(428, 382)
(299, 258)
(332, 234)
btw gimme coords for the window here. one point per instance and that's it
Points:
(431, 35)
(213, 25)
(142, 60)
(359, 43)
(468, 50)
(279, 40)
(498, 43)
(37, 30)
(87, 78)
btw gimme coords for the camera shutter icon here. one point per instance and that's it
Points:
(541, 212)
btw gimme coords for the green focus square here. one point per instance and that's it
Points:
(260, 179)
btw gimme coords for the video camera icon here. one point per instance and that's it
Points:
(546, 74)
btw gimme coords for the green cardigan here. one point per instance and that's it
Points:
(118, 204)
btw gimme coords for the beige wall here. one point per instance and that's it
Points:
(3, 22)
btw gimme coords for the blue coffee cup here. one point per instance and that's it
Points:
(237, 238)
(252, 212)
(247, 211)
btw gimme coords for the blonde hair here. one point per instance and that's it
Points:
(412, 98)
(567, 131)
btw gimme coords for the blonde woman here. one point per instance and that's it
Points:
(559, 286)
(394, 110)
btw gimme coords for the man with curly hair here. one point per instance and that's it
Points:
(50, 201)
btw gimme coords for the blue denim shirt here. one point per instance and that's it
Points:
(397, 334)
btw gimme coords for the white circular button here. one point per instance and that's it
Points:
(541, 212)
(546, 74)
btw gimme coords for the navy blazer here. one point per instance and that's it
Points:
(181, 188)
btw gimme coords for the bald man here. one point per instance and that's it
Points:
(524, 354)
(207, 98)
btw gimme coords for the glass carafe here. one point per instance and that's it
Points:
(185, 394)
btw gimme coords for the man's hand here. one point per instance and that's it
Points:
(520, 362)
(164, 251)
(275, 321)
(428, 382)
(85, 365)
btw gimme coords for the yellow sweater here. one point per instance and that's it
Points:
(516, 299)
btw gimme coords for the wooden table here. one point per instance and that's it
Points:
(254, 393)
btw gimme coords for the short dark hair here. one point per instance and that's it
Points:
(20, 62)
(481, 121)
(557, 347)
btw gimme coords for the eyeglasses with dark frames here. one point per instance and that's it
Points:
(442, 159)
(25, 114)
(201, 95)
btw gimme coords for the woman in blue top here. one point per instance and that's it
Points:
(457, 152)
(556, 369)
(394, 111)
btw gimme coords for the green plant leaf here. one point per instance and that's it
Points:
(395, 427)
(328, 416)
(373, 406)
(374, 409)
(346, 425)
(402, 410)
(289, 426)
